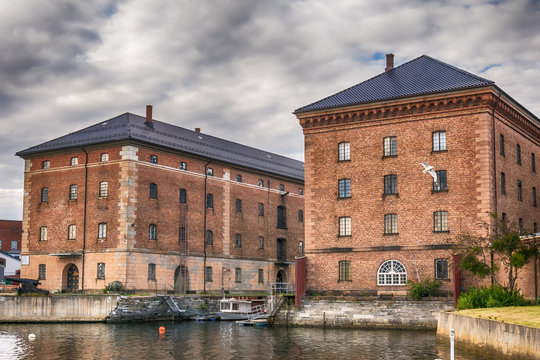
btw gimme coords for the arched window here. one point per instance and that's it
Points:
(72, 232)
(104, 157)
(392, 272)
(74, 161)
(209, 237)
(300, 247)
(261, 183)
(210, 172)
(281, 222)
(183, 166)
(153, 159)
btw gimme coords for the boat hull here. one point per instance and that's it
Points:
(232, 316)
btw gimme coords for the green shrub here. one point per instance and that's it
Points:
(427, 287)
(113, 287)
(494, 296)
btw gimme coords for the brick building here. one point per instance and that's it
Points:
(10, 237)
(373, 218)
(157, 206)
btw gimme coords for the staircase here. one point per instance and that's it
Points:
(173, 305)
(257, 312)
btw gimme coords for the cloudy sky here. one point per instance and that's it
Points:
(236, 69)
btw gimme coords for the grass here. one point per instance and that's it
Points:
(519, 315)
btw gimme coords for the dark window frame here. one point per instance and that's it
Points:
(151, 272)
(344, 188)
(209, 201)
(238, 275)
(344, 226)
(281, 217)
(442, 181)
(390, 184)
(152, 232)
(441, 269)
(238, 241)
(72, 232)
(390, 146)
(518, 154)
(153, 191)
(73, 191)
(391, 224)
(42, 272)
(520, 190)
(438, 141)
(260, 276)
(209, 274)
(503, 183)
(344, 151)
(260, 209)
(102, 230)
(209, 238)
(103, 189)
(238, 205)
(344, 271)
(300, 215)
(44, 195)
(440, 221)
(100, 271)
(501, 144)
(153, 159)
(182, 196)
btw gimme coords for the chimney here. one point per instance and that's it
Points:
(198, 130)
(389, 62)
(148, 121)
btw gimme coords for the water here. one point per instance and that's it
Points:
(219, 340)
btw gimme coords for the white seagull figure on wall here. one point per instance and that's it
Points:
(429, 169)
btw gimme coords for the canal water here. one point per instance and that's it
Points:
(219, 340)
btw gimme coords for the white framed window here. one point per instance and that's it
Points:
(72, 232)
(344, 151)
(210, 172)
(73, 192)
(345, 226)
(74, 161)
(14, 244)
(43, 233)
(103, 189)
(392, 272)
(102, 231)
(104, 157)
(390, 146)
(46, 165)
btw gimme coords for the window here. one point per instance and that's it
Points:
(440, 221)
(182, 236)
(151, 271)
(344, 151)
(238, 241)
(42, 272)
(153, 191)
(534, 196)
(103, 189)
(102, 231)
(281, 187)
(183, 196)
(345, 271)
(300, 191)
(344, 226)
(344, 188)
(43, 233)
(261, 242)
(209, 237)
(390, 146)
(101, 271)
(533, 163)
(260, 276)
(518, 154)
(520, 191)
(46, 165)
(104, 157)
(504, 218)
(44, 194)
(300, 215)
(237, 275)
(390, 224)
(74, 161)
(441, 269)
(439, 141)
(210, 172)
(209, 274)
(260, 182)
(152, 232)
(392, 272)
(390, 184)
(153, 159)
(261, 209)
(73, 192)
(209, 201)
(520, 224)
(440, 184)
(501, 144)
(281, 223)
(238, 205)
(72, 232)
(14, 244)
(238, 178)
(535, 228)
(183, 166)
(503, 183)
(300, 247)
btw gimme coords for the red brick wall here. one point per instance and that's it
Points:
(10, 230)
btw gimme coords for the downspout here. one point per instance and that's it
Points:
(494, 150)
(204, 225)
(84, 216)
(267, 235)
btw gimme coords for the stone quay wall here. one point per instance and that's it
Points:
(65, 308)
(508, 339)
(370, 313)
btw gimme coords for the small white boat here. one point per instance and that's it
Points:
(238, 309)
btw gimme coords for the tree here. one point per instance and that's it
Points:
(503, 241)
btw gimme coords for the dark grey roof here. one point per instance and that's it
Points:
(423, 75)
(132, 127)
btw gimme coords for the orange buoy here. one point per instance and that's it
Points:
(162, 329)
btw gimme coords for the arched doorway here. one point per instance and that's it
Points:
(72, 278)
(281, 277)
(181, 279)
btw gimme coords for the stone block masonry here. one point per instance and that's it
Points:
(334, 312)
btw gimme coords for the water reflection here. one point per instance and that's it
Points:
(219, 340)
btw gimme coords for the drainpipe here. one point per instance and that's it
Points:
(494, 150)
(204, 226)
(84, 217)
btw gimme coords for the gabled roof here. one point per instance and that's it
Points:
(423, 75)
(132, 127)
